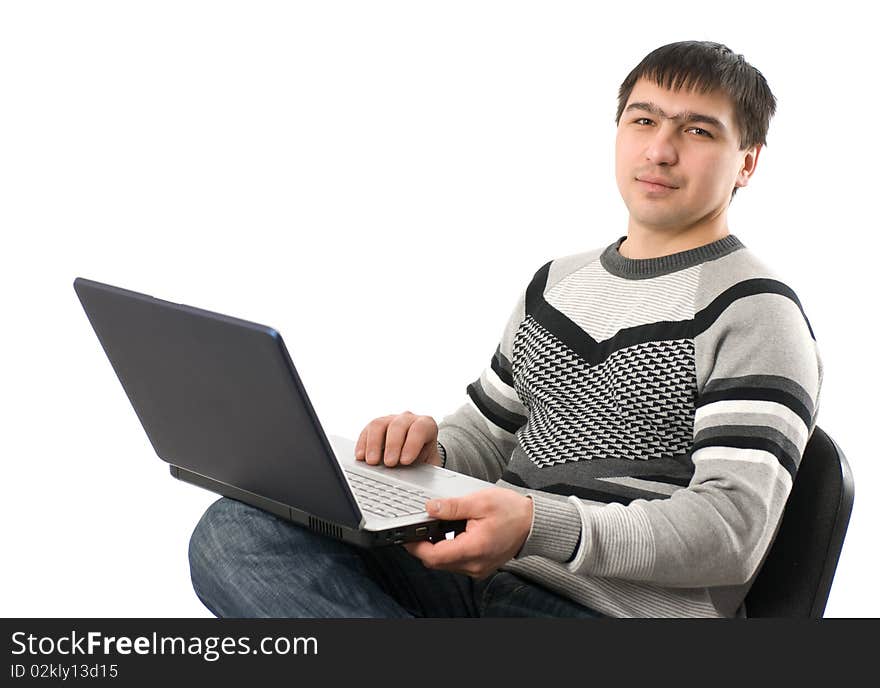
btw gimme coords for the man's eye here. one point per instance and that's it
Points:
(702, 130)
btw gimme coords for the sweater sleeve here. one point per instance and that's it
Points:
(759, 374)
(479, 436)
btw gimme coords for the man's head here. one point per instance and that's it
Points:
(706, 158)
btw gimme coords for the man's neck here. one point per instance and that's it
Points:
(644, 243)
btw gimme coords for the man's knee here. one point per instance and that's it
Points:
(217, 537)
(245, 561)
(231, 533)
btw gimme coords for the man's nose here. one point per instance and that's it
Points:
(661, 146)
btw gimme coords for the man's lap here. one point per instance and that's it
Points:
(247, 562)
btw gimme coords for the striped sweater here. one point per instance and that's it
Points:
(656, 411)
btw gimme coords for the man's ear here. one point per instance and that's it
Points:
(749, 163)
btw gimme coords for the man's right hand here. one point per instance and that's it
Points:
(402, 439)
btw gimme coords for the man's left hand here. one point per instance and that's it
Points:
(498, 523)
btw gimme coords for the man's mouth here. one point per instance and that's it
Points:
(657, 182)
(654, 184)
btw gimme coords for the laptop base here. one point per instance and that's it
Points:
(430, 530)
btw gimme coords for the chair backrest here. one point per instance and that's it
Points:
(795, 578)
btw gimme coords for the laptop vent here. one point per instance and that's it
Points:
(324, 528)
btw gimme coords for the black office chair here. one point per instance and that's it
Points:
(795, 578)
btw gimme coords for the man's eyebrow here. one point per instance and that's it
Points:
(687, 114)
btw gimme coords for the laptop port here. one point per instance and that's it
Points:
(421, 530)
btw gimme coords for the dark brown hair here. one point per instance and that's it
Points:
(704, 66)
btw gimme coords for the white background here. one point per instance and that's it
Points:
(376, 180)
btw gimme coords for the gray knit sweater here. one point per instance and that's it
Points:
(656, 411)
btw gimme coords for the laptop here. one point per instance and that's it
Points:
(221, 403)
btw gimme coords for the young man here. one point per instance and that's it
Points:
(642, 418)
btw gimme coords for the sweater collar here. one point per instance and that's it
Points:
(645, 268)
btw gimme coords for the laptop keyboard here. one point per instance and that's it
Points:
(385, 498)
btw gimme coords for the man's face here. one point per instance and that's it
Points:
(702, 159)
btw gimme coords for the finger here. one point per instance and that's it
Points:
(425, 552)
(418, 437)
(458, 554)
(419, 549)
(424, 455)
(376, 439)
(395, 436)
(360, 447)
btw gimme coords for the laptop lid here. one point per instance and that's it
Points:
(219, 396)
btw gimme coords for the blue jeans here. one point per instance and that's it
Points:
(246, 563)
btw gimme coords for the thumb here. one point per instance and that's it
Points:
(451, 508)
